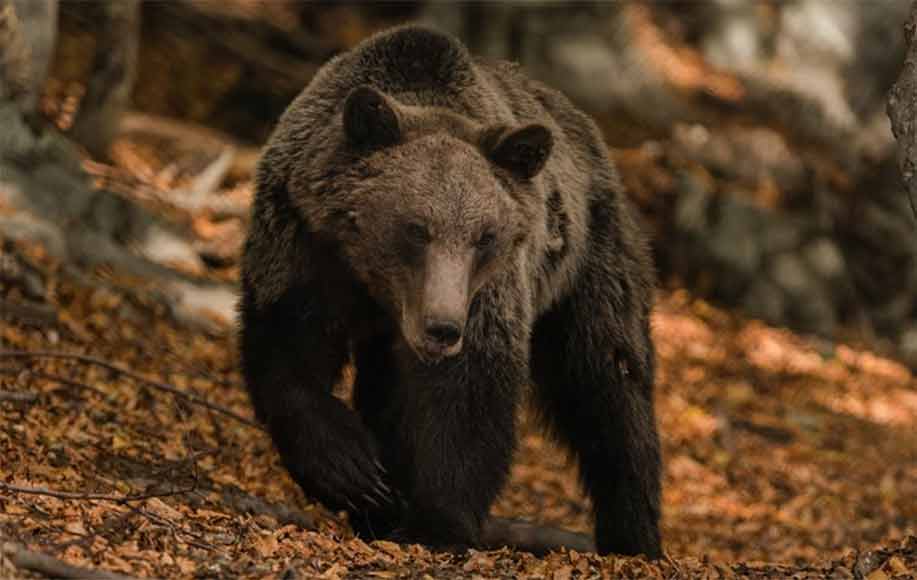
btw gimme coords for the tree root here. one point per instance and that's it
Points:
(52, 567)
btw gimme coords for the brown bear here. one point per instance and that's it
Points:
(458, 232)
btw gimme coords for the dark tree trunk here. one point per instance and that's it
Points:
(902, 111)
(117, 32)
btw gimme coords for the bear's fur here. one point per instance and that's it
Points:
(458, 231)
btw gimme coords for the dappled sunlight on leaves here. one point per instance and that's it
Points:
(777, 449)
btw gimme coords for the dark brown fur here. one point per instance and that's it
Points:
(459, 231)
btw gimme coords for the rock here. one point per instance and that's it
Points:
(888, 317)
(733, 239)
(734, 40)
(765, 300)
(748, 154)
(791, 274)
(907, 345)
(783, 233)
(809, 303)
(719, 236)
(691, 205)
(825, 259)
(814, 313)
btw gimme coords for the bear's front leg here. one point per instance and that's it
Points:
(592, 360)
(291, 358)
(459, 448)
(456, 435)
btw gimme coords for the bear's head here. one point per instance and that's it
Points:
(429, 208)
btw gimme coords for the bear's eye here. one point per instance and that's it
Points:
(486, 241)
(417, 233)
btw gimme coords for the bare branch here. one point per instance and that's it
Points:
(902, 112)
(69, 383)
(18, 396)
(71, 495)
(160, 386)
(28, 312)
(212, 176)
(183, 200)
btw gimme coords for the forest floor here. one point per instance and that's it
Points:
(127, 444)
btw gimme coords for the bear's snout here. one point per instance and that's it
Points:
(440, 319)
(443, 334)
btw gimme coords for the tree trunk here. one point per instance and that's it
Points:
(28, 30)
(902, 111)
(113, 72)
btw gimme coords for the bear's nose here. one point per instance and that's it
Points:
(443, 332)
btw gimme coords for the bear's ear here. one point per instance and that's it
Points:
(370, 119)
(522, 151)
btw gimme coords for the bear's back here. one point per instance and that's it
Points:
(412, 60)
(426, 67)
(416, 65)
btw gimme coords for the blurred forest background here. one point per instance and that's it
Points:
(754, 136)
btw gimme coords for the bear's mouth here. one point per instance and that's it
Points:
(431, 353)
(435, 353)
(430, 349)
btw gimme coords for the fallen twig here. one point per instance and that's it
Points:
(179, 199)
(28, 312)
(244, 502)
(190, 460)
(92, 496)
(218, 206)
(191, 398)
(212, 176)
(18, 396)
(192, 538)
(69, 383)
(52, 567)
(112, 525)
